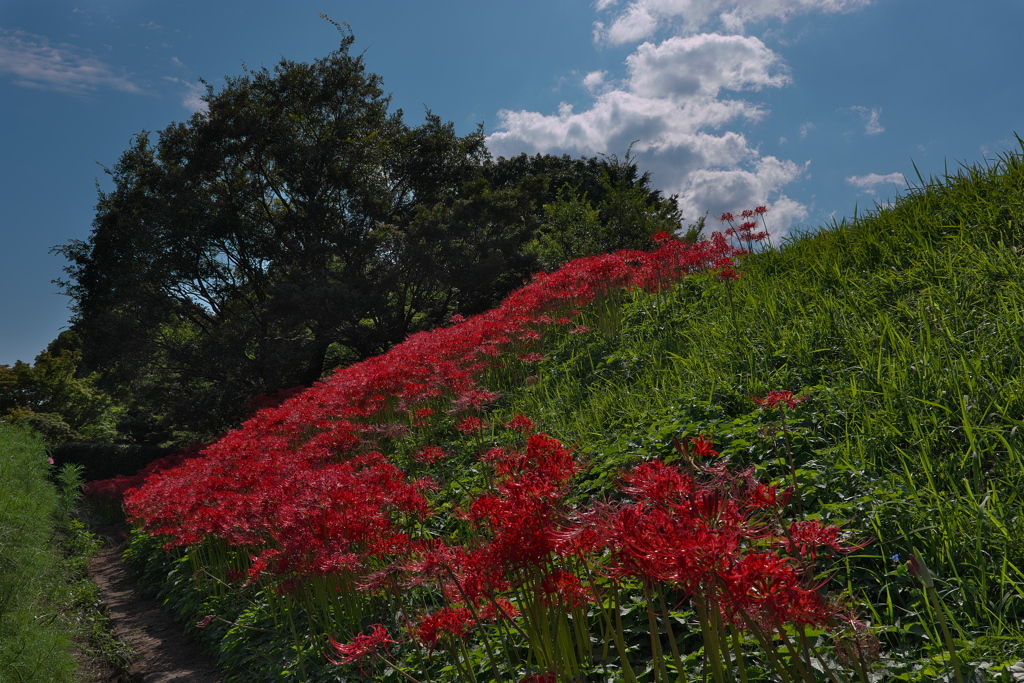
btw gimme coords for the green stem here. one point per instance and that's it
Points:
(792, 464)
(740, 663)
(620, 641)
(652, 626)
(711, 646)
(954, 661)
(676, 658)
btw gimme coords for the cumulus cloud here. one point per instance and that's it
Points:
(703, 65)
(871, 181)
(671, 109)
(595, 80)
(682, 103)
(672, 93)
(641, 19)
(34, 62)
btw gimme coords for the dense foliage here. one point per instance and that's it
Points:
(799, 464)
(55, 399)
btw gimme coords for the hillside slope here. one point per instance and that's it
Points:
(870, 371)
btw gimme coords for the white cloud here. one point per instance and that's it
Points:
(594, 81)
(671, 94)
(871, 181)
(719, 190)
(671, 110)
(872, 126)
(192, 94)
(641, 19)
(703, 65)
(35, 63)
(678, 105)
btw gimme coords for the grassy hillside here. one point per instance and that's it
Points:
(905, 329)
(578, 438)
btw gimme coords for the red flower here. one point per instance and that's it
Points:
(808, 536)
(471, 425)
(727, 273)
(447, 622)
(430, 455)
(521, 424)
(567, 587)
(702, 447)
(775, 399)
(540, 678)
(362, 646)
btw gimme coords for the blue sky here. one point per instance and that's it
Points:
(813, 107)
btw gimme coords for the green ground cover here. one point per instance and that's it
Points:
(902, 331)
(52, 625)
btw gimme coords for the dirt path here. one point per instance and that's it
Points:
(165, 654)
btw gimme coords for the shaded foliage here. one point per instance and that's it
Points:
(54, 398)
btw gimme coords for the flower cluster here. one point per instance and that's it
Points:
(314, 486)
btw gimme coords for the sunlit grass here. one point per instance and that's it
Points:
(903, 328)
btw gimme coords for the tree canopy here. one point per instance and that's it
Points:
(55, 399)
(297, 224)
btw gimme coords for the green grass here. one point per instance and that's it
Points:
(49, 610)
(33, 647)
(905, 329)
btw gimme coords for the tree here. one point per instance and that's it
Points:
(294, 219)
(55, 399)
(592, 205)
(297, 225)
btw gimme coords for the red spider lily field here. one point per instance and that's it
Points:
(722, 461)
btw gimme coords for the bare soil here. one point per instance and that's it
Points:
(164, 653)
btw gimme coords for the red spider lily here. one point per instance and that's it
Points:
(807, 537)
(471, 425)
(775, 399)
(445, 623)
(301, 487)
(655, 483)
(727, 272)
(497, 609)
(430, 455)
(540, 678)
(702, 447)
(362, 646)
(711, 538)
(476, 399)
(521, 424)
(770, 589)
